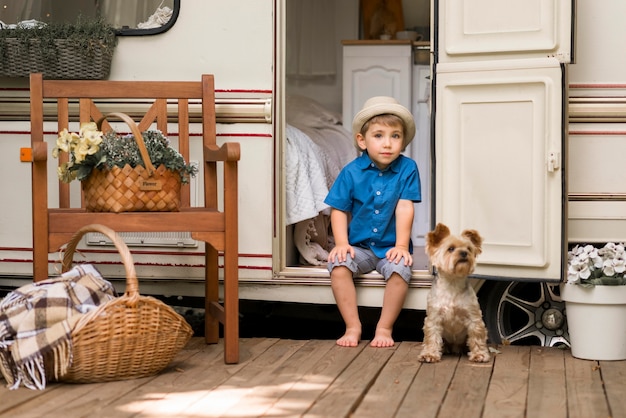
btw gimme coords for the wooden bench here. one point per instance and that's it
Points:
(218, 229)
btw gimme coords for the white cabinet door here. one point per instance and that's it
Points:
(499, 131)
(375, 70)
(471, 30)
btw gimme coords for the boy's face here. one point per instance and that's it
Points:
(383, 143)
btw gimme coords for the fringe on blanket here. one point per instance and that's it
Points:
(36, 322)
(32, 372)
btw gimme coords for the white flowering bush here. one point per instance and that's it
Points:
(589, 266)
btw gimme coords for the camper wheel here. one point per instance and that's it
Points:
(524, 313)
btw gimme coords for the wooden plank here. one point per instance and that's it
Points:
(344, 394)
(585, 394)
(120, 89)
(175, 396)
(79, 399)
(429, 388)
(300, 396)
(388, 391)
(295, 370)
(172, 394)
(547, 395)
(506, 396)
(76, 399)
(22, 396)
(257, 372)
(614, 378)
(467, 390)
(319, 378)
(57, 394)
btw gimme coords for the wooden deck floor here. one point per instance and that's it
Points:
(316, 378)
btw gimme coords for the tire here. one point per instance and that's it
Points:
(524, 313)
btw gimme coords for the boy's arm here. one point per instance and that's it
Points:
(339, 224)
(404, 223)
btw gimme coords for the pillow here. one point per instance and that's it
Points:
(304, 111)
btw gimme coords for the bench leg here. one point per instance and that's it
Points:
(211, 287)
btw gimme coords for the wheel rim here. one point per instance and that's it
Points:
(532, 313)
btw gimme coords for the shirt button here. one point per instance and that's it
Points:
(376, 211)
(373, 244)
(378, 193)
(380, 174)
(375, 229)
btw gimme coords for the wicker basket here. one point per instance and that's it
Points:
(130, 337)
(68, 63)
(131, 189)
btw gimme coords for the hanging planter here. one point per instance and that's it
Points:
(83, 50)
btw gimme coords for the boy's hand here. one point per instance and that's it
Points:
(338, 254)
(395, 254)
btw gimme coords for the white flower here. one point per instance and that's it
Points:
(78, 145)
(578, 270)
(587, 262)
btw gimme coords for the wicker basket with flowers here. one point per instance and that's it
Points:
(123, 173)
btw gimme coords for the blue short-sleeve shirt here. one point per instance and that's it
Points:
(371, 196)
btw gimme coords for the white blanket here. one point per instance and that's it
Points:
(307, 180)
(317, 148)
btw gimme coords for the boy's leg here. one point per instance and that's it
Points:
(345, 296)
(395, 293)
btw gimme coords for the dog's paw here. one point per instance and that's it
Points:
(479, 356)
(429, 357)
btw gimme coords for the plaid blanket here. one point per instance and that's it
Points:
(36, 321)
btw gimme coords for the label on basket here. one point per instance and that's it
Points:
(149, 185)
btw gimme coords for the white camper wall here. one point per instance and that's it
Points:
(600, 34)
(208, 37)
(597, 139)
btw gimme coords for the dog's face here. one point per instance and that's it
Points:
(453, 255)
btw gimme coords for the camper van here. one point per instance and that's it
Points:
(520, 121)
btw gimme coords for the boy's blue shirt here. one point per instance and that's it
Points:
(371, 196)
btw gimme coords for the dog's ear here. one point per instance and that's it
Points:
(475, 238)
(434, 237)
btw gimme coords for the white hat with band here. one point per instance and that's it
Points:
(381, 105)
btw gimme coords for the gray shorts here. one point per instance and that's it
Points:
(366, 261)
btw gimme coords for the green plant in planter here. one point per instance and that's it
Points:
(91, 148)
(86, 40)
(122, 150)
(589, 266)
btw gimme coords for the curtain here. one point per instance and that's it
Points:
(311, 39)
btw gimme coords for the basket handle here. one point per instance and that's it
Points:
(132, 285)
(136, 133)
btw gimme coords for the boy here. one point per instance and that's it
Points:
(372, 215)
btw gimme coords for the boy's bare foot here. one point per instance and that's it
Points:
(350, 339)
(382, 338)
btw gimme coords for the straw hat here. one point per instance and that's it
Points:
(381, 105)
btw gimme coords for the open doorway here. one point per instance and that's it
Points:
(318, 138)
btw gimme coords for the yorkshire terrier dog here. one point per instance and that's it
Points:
(453, 317)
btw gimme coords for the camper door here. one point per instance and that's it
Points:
(500, 129)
